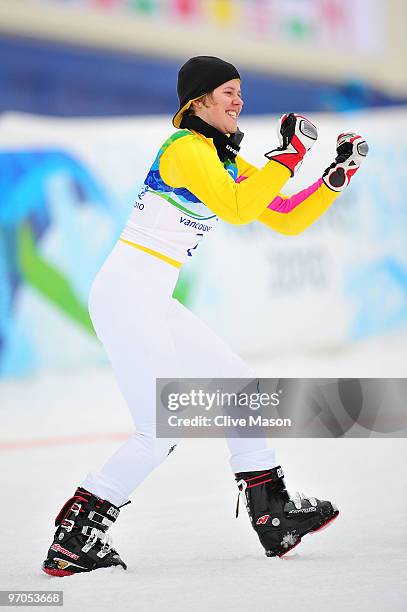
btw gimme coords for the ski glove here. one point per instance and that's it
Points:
(296, 135)
(351, 150)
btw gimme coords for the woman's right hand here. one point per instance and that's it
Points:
(296, 135)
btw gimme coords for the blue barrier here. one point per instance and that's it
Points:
(49, 78)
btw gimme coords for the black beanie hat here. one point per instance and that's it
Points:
(198, 76)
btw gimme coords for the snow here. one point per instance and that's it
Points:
(184, 549)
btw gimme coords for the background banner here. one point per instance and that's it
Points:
(356, 25)
(67, 189)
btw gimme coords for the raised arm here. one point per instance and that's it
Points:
(192, 163)
(293, 215)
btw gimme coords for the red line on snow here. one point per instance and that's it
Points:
(62, 440)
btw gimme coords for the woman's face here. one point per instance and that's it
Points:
(222, 108)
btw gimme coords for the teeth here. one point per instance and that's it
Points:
(232, 114)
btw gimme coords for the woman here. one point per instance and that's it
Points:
(197, 178)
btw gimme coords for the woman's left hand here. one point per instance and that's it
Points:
(351, 150)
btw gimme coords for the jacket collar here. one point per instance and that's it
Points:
(227, 147)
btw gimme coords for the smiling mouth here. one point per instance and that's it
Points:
(232, 114)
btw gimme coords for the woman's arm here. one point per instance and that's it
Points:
(192, 163)
(293, 215)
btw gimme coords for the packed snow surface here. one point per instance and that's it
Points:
(184, 549)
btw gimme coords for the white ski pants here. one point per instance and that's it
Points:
(147, 334)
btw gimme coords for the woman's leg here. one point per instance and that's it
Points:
(202, 354)
(128, 310)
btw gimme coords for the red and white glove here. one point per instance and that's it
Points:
(351, 150)
(296, 135)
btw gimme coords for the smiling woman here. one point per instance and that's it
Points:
(196, 178)
(203, 82)
(221, 107)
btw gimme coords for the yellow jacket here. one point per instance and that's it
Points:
(192, 162)
(188, 189)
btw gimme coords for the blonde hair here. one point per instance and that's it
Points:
(203, 99)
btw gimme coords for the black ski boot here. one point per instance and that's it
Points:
(279, 520)
(80, 542)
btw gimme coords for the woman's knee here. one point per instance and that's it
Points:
(155, 449)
